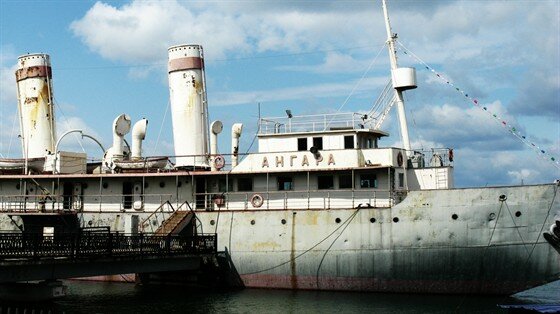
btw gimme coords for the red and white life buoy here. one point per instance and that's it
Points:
(257, 200)
(219, 162)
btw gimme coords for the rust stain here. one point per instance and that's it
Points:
(269, 245)
(293, 277)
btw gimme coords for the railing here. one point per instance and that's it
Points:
(312, 199)
(98, 244)
(435, 157)
(155, 216)
(311, 123)
(70, 203)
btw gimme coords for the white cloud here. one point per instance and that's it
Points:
(294, 93)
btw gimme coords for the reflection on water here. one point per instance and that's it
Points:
(95, 297)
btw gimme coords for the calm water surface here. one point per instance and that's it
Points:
(92, 297)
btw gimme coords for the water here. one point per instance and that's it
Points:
(95, 297)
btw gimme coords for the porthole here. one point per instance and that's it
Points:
(253, 222)
(179, 184)
(90, 223)
(517, 214)
(154, 222)
(162, 184)
(372, 220)
(17, 186)
(212, 222)
(492, 216)
(454, 216)
(337, 220)
(105, 185)
(283, 221)
(396, 219)
(31, 189)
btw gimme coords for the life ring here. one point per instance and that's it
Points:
(400, 159)
(219, 162)
(257, 200)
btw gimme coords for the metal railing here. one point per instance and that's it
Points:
(312, 199)
(72, 203)
(312, 123)
(100, 244)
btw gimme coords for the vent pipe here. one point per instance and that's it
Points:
(215, 128)
(138, 135)
(236, 130)
(121, 127)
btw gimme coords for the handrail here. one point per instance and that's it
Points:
(309, 199)
(160, 207)
(94, 244)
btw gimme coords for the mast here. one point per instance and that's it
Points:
(398, 91)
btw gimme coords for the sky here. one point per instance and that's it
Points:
(309, 56)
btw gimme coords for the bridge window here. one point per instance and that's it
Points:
(318, 142)
(348, 141)
(368, 180)
(285, 183)
(244, 184)
(325, 182)
(302, 144)
(127, 195)
(345, 181)
(222, 185)
(401, 180)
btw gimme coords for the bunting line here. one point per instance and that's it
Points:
(511, 128)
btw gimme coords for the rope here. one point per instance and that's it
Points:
(511, 129)
(543, 224)
(67, 123)
(161, 127)
(517, 228)
(12, 134)
(330, 246)
(309, 249)
(356, 85)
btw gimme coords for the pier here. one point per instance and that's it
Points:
(34, 256)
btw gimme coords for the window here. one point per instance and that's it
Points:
(222, 185)
(325, 182)
(244, 184)
(401, 180)
(318, 142)
(348, 141)
(369, 143)
(301, 144)
(127, 195)
(345, 181)
(285, 183)
(368, 180)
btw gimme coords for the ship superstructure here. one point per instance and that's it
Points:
(322, 204)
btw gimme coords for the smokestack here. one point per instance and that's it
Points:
(138, 135)
(216, 128)
(189, 109)
(35, 105)
(235, 135)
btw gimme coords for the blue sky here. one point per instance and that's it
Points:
(109, 57)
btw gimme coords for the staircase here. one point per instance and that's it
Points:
(175, 223)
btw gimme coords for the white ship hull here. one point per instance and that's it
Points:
(434, 241)
(425, 251)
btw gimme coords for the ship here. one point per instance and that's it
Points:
(321, 205)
